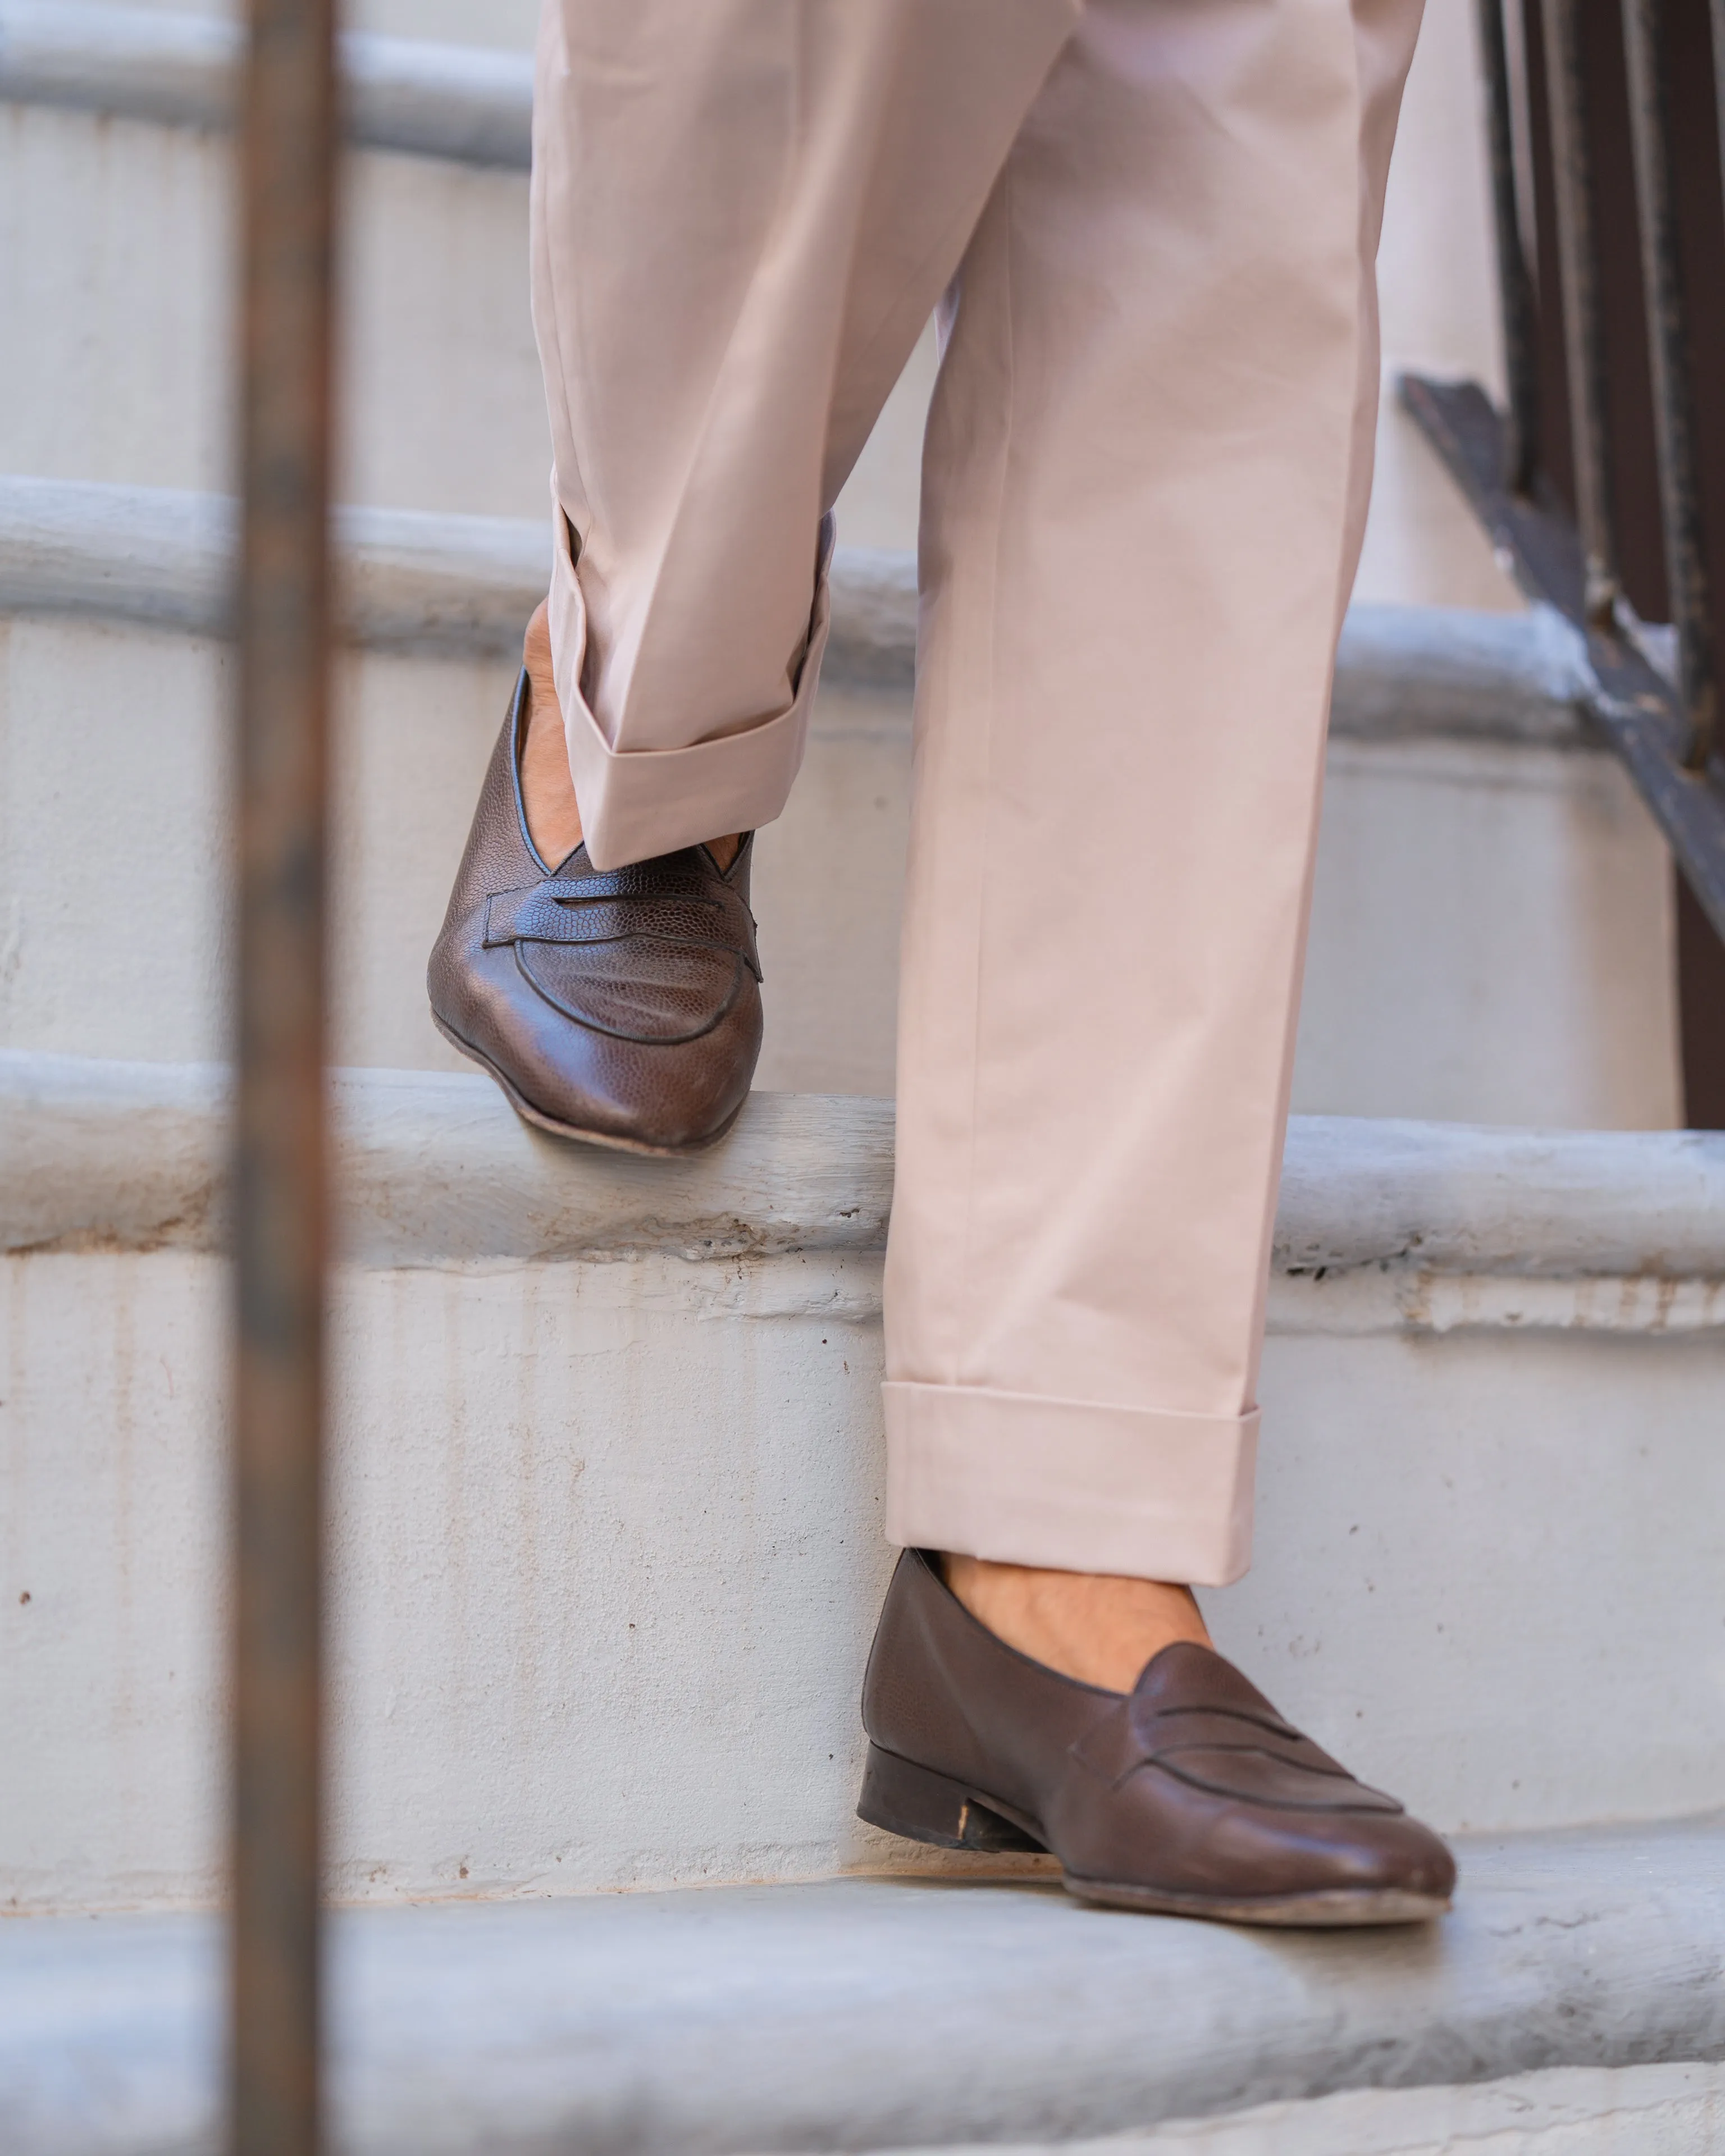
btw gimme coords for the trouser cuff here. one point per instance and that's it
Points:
(637, 803)
(1074, 1485)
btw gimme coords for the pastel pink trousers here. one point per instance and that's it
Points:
(1149, 227)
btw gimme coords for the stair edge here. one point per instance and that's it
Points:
(435, 1168)
(956, 2014)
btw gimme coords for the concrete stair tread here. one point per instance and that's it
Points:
(858, 2014)
(434, 1166)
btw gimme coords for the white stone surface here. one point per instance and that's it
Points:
(1491, 929)
(163, 557)
(435, 1168)
(1560, 2111)
(1421, 673)
(116, 237)
(605, 1532)
(877, 2013)
(607, 1552)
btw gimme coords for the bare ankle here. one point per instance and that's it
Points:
(1098, 1627)
(547, 791)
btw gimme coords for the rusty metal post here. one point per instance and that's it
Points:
(288, 169)
(1668, 346)
(1521, 355)
(1584, 329)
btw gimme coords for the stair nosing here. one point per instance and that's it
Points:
(879, 2013)
(433, 1167)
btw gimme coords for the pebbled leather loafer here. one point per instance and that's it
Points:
(1189, 1795)
(620, 1006)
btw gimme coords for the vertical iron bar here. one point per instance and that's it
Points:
(1584, 329)
(1521, 357)
(1716, 30)
(1673, 375)
(287, 160)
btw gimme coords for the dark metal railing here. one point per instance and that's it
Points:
(1575, 186)
(288, 177)
(1670, 348)
(1515, 286)
(1604, 483)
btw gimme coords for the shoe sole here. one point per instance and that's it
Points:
(1336, 1908)
(606, 1139)
(922, 1805)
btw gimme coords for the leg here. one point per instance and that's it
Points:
(1146, 474)
(743, 215)
(1145, 480)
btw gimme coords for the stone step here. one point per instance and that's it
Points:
(606, 1478)
(1491, 930)
(860, 2014)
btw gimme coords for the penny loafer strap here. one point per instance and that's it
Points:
(584, 910)
(1217, 1748)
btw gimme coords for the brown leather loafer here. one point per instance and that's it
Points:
(1189, 1795)
(622, 1007)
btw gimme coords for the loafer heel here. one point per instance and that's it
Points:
(923, 1806)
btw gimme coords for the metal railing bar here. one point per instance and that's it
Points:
(1668, 343)
(1633, 709)
(1521, 354)
(1715, 35)
(1584, 328)
(283, 620)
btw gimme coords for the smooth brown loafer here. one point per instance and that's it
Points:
(622, 1006)
(1189, 1795)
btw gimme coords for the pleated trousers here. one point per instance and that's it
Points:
(1148, 229)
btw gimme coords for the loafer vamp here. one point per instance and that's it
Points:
(666, 1095)
(647, 989)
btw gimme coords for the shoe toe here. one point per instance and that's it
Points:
(1398, 1856)
(666, 1096)
(1358, 1853)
